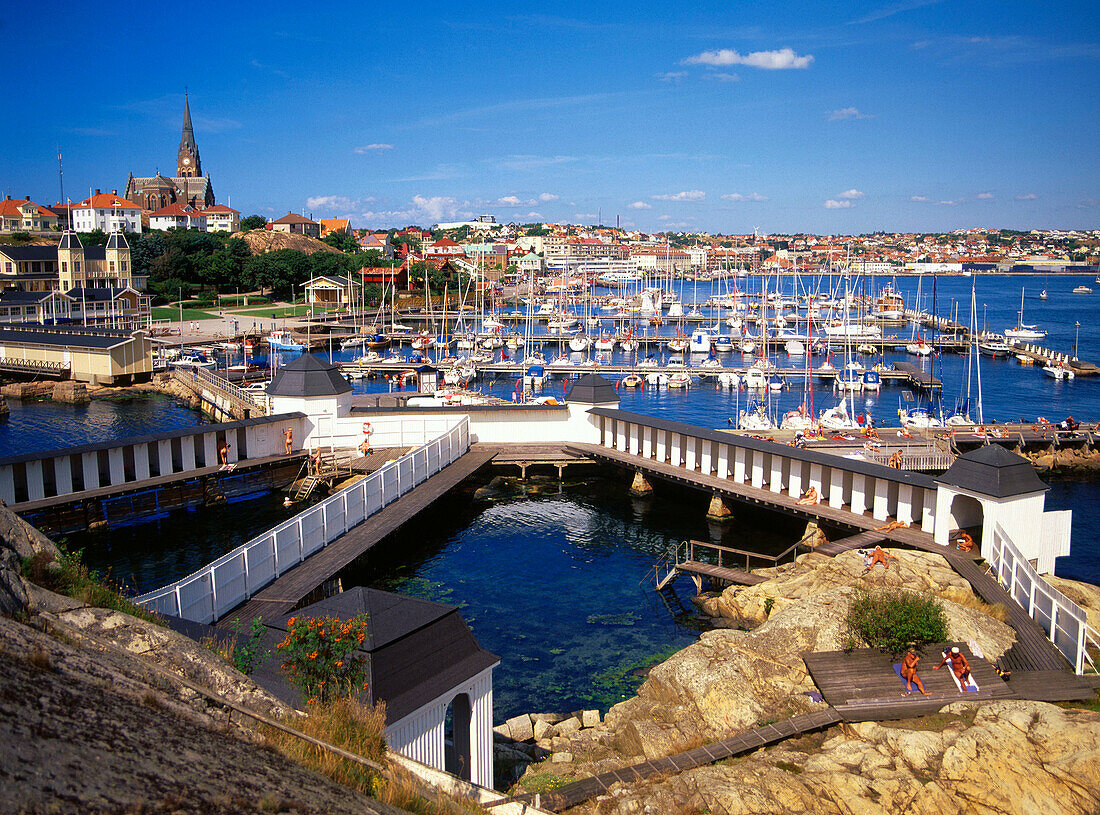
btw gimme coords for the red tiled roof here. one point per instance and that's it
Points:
(104, 200)
(221, 208)
(444, 241)
(176, 210)
(9, 207)
(294, 218)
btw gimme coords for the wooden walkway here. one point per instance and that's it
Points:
(1033, 650)
(864, 540)
(720, 573)
(280, 597)
(570, 795)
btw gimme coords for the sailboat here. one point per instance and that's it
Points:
(961, 414)
(1023, 331)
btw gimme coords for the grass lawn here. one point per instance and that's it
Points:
(278, 311)
(173, 313)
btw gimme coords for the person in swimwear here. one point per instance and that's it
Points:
(958, 663)
(879, 555)
(809, 496)
(909, 671)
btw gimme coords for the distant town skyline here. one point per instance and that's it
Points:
(842, 118)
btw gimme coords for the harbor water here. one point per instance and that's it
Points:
(557, 582)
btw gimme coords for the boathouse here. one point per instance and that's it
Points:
(425, 664)
(100, 356)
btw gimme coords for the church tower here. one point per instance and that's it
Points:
(187, 158)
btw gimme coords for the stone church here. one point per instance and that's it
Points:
(187, 186)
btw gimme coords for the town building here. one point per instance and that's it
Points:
(97, 284)
(444, 246)
(332, 226)
(296, 224)
(107, 213)
(24, 215)
(178, 216)
(187, 186)
(220, 218)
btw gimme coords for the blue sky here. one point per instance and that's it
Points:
(831, 118)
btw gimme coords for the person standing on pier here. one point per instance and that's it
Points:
(288, 438)
(223, 453)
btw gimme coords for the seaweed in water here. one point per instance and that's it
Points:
(628, 618)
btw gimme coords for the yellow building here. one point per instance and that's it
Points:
(100, 356)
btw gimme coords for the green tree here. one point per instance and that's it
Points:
(253, 222)
(342, 241)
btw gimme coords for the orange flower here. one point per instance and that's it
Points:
(292, 621)
(339, 663)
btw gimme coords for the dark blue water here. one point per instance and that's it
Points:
(47, 425)
(556, 584)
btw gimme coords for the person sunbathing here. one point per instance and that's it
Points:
(810, 496)
(879, 555)
(909, 671)
(891, 526)
(959, 666)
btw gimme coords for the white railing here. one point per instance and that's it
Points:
(206, 595)
(1062, 619)
(217, 383)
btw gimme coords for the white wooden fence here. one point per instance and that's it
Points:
(221, 586)
(1062, 619)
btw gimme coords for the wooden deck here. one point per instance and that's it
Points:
(570, 795)
(863, 686)
(864, 540)
(280, 597)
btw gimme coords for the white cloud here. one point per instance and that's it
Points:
(671, 76)
(686, 195)
(847, 113)
(920, 198)
(985, 195)
(527, 162)
(585, 216)
(1027, 197)
(330, 202)
(547, 196)
(781, 59)
(851, 195)
(513, 201)
(534, 215)
(639, 205)
(369, 148)
(437, 208)
(949, 203)
(722, 77)
(831, 204)
(736, 196)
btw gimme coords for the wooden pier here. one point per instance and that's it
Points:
(280, 597)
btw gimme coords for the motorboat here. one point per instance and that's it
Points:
(605, 342)
(282, 341)
(632, 381)
(722, 343)
(755, 379)
(679, 379)
(871, 381)
(794, 348)
(728, 379)
(1058, 370)
(1082, 290)
(849, 379)
(991, 346)
(699, 342)
(535, 376)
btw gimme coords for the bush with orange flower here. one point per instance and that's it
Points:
(319, 656)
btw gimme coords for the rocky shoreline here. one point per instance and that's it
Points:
(79, 393)
(995, 757)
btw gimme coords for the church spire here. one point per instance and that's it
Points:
(187, 158)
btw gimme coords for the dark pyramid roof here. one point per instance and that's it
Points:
(69, 240)
(992, 470)
(308, 376)
(116, 240)
(416, 649)
(592, 389)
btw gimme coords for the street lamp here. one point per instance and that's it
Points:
(1076, 337)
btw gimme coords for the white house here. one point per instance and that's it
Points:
(178, 216)
(220, 218)
(107, 212)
